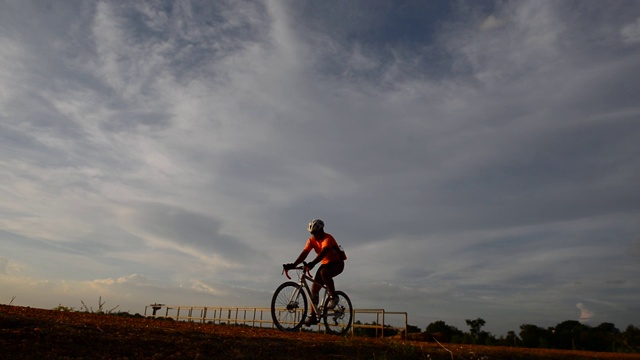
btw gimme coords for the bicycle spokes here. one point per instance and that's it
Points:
(288, 307)
(338, 320)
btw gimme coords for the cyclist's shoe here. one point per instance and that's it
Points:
(331, 304)
(311, 320)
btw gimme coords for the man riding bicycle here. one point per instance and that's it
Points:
(332, 257)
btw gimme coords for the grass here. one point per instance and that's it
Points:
(101, 308)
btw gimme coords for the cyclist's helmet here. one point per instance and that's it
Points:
(316, 225)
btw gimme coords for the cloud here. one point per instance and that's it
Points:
(129, 293)
(635, 248)
(491, 23)
(461, 164)
(11, 267)
(172, 227)
(136, 279)
(3, 265)
(630, 33)
(585, 314)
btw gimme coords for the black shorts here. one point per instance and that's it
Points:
(331, 269)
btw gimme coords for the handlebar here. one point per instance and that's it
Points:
(304, 269)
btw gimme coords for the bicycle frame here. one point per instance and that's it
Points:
(306, 275)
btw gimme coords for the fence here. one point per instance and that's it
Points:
(260, 316)
(380, 320)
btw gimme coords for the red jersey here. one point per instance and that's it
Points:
(328, 241)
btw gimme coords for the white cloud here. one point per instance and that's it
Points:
(136, 279)
(201, 286)
(585, 314)
(630, 33)
(491, 23)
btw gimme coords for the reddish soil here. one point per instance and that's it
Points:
(29, 333)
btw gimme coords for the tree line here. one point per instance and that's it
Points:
(569, 335)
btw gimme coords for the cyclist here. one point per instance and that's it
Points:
(332, 258)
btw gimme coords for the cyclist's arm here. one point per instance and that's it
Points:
(320, 256)
(303, 255)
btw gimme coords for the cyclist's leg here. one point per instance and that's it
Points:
(327, 273)
(318, 282)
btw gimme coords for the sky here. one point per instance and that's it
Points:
(474, 159)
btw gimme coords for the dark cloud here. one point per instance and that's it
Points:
(184, 227)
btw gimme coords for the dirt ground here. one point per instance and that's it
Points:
(29, 333)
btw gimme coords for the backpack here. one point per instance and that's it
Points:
(343, 255)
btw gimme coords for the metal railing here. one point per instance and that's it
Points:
(259, 316)
(252, 316)
(380, 320)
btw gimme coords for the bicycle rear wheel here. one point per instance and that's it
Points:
(288, 306)
(338, 320)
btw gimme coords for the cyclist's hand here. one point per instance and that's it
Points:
(289, 266)
(308, 267)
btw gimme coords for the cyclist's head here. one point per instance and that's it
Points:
(316, 225)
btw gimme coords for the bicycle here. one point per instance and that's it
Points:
(289, 305)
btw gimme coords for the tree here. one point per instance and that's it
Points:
(373, 330)
(412, 329)
(511, 339)
(630, 339)
(443, 332)
(603, 337)
(533, 336)
(568, 333)
(475, 326)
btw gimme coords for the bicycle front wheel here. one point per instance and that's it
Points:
(289, 307)
(338, 320)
